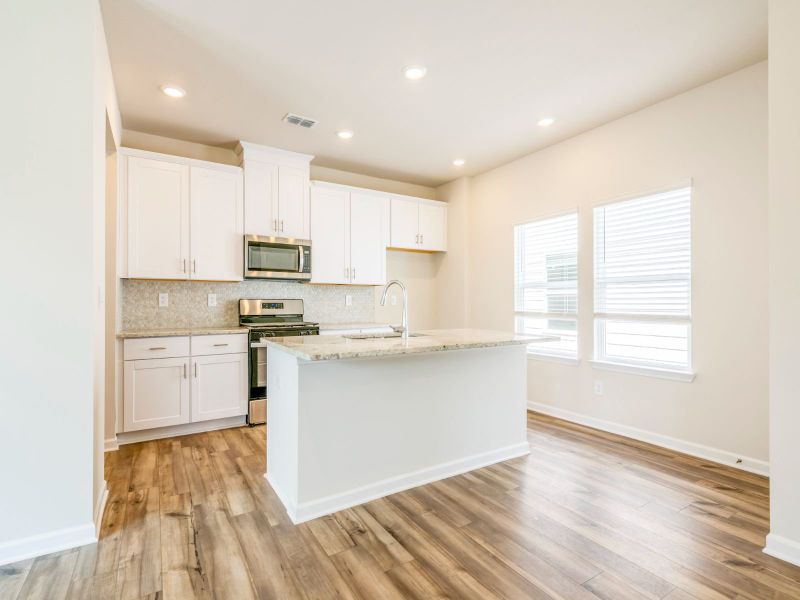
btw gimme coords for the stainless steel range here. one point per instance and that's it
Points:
(268, 319)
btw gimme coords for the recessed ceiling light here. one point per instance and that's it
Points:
(546, 122)
(345, 134)
(173, 91)
(459, 162)
(415, 72)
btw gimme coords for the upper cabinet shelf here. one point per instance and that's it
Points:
(276, 194)
(179, 218)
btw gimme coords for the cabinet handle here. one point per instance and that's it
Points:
(281, 225)
(274, 224)
(183, 269)
(195, 370)
(220, 344)
(346, 272)
(354, 273)
(159, 348)
(184, 370)
(421, 238)
(416, 239)
(194, 265)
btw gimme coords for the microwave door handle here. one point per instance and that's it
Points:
(302, 258)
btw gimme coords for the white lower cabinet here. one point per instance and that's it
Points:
(206, 385)
(219, 386)
(156, 393)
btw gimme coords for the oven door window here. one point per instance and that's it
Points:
(272, 257)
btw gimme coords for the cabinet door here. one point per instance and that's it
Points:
(217, 214)
(158, 219)
(156, 393)
(432, 226)
(293, 202)
(405, 223)
(367, 241)
(219, 386)
(329, 231)
(260, 198)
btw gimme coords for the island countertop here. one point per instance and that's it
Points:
(336, 347)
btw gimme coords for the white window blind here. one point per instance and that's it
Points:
(546, 283)
(642, 281)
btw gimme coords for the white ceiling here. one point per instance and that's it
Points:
(495, 67)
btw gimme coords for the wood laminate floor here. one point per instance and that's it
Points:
(587, 515)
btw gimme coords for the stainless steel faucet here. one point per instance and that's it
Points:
(403, 329)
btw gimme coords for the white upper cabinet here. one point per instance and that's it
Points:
(368, 219)
(330, 251)
(433, 226)
(349, 233)
(276, 196)
(418, 224)
(157, 193)
(405, 223)
(260, 198)
(293, 202)
(216, 219)
(179, 218)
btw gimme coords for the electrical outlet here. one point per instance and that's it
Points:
(394, 300)
(212, 299)
(348, 300)
(598, 388)
(163, 300)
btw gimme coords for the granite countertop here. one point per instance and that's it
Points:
(335, 347)
(356, 325)
(178, 331)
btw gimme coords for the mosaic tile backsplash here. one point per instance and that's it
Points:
(188, 302)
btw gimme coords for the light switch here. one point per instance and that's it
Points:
(348, 300)
(212, 299)
(163, 300)
(598, 388)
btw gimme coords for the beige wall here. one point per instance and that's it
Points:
(784, 206)
(715, 135)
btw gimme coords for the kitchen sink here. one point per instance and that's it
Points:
(378, 336)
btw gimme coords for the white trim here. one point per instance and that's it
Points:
(324, 506)
(634, 195)
(159, 433)
(45, 543)
(783, 548)
(100, 508)
(686, 376)
(271, 154)
(110, 444)
(553, 358)
(174, 158)
(751, 465)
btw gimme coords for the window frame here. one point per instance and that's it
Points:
(533, 351)
(657, 369)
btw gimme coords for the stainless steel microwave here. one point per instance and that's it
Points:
(277, 258)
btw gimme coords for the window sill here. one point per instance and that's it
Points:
(554, 358)
(685, 376)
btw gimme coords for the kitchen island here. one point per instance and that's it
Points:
(350, 420)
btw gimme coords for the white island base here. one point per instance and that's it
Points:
(343, 432)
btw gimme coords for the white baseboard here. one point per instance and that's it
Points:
(110, 444)
(330, 504)
(752, 465)
(783, 548)
(159, 433)
(45, 543)
(99, 509)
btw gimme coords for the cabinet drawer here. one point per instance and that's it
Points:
(160, 347)
(229, 343)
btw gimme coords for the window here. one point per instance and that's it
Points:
(546, 283)
(642, 281)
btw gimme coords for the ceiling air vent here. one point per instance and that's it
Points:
(298, 120)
